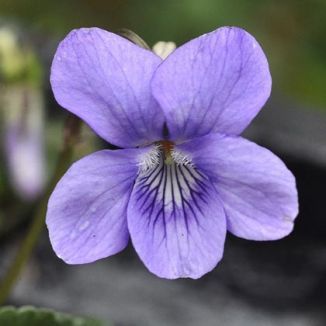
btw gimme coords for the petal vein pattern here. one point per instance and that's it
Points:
(176, 222)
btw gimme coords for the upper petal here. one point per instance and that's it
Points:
(176, 221)
(217, 82)
(105, 80)
(86, 214)
(258, 192)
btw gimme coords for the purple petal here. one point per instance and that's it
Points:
(217, 82)
(176, 222)
(105, 80)
(86, 214)
(258, 191)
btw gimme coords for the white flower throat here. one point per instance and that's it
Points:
(163, 151)
(169, 177)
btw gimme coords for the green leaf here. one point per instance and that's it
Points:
(30, 316)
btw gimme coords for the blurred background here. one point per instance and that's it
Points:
(257, 283)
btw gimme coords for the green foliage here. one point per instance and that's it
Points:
(30, 316)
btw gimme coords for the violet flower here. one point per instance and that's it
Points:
(184, 176)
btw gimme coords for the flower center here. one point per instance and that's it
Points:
(163, 152)
(167, 179)
(167, 150)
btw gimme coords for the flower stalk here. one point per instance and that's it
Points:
(70, 138)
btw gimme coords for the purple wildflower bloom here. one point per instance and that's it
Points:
(175, 195)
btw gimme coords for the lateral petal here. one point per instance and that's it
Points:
(258, 191)
(87, 211)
